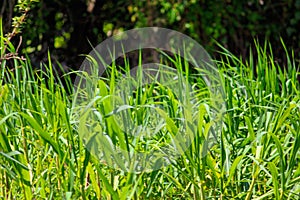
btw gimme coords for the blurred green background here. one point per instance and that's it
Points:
(69, 28)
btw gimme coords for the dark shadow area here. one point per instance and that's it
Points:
(69, 28)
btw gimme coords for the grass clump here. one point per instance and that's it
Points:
(256, 155)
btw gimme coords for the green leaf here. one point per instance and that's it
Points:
(233, 167)
(274, 173)
(35, 125)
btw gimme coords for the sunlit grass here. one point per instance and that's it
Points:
(256, 155)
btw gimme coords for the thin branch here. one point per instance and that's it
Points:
(20, 42)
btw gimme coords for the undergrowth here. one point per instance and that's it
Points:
(256, 155)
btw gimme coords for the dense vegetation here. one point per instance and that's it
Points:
(67, 27)
(256, 155)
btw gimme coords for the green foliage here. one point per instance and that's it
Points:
(22, 6)
(257, 154)
(232, 23)
(256, 157)
(18, 21)
(67, 27)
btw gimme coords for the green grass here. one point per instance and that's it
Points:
(256, 155)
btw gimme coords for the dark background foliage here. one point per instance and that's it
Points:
(69, 28)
